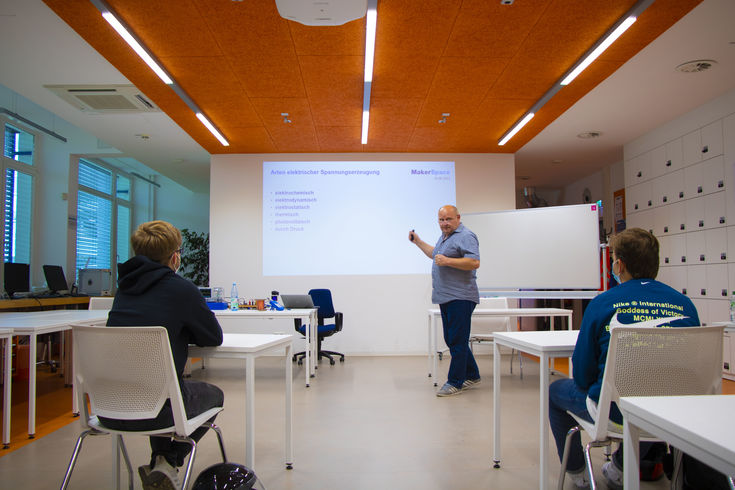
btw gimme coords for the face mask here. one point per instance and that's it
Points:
(617, 277)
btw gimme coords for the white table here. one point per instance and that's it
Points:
(6, 334)
(248, 347)
(308, 317)
(435, 316)
(36, 323)
(700, 426)
(546, 345)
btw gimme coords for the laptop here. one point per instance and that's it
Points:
(297, 301)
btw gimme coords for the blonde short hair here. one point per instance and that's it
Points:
(157, 240)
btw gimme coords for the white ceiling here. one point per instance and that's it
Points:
(643, 94)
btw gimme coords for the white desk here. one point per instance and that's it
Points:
(546, 345)
(307, 316)
(700, 426)
(435, 316)
(36, 323)
(6, 334)
(248, 347)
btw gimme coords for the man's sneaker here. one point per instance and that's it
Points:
(448, 390)
(579, 478)
(162, 476)
(613, 475)
(470, 383)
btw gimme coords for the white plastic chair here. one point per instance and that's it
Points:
(649, 361)
(493, 324)
(128, 373)
(100, 302)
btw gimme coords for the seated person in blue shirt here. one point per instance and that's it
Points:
(635, 255)
(150, 293)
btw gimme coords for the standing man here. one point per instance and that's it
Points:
(456, 257)
(151, 293)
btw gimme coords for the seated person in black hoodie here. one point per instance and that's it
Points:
(151, 293)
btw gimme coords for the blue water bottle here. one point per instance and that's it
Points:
(234, 306)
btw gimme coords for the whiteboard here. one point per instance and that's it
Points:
(541, 248)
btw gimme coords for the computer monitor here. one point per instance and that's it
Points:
(55, 279)
(17, 278)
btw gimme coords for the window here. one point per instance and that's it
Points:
(103, 217)
(17, 161)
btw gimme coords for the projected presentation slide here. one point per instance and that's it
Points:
(351, 217)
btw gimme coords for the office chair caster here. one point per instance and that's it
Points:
(331, 362)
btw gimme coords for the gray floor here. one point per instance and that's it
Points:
(372, 422)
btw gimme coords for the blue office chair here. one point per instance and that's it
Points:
(322, 299)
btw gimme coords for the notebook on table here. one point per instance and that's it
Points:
(297, 301)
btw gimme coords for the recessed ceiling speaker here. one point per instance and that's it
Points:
(322, 13)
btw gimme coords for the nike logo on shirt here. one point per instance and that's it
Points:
(614, 322)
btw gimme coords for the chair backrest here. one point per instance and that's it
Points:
(654, 361)
(128, 373)
(498, 324)
(100, 303)
(323, 299)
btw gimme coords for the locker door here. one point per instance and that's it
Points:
(646, 220)
(674, 156)
(731, 277)
(696, 281)
(719, 310)
(713, 174)
(675, 186)
(716, 281)
(693, 181)
(664, 275)
(696, 248)
(678, 249)
(730, 243)
(679, 279)
(716, 246)
(659, 187)
(711, 140)
(661, 221)
(678, 218)
(658, 162)
(664, 251)
(714, 210)
(691, 147)
(694, 209)
(702, 309)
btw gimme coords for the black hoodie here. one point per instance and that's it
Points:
(151, 294)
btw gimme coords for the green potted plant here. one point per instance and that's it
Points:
(195, 256)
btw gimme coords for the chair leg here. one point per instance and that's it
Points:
(218, 431)
(565, 457)
(124, 451)
(190, 463)
(588, 460)
(77, 448)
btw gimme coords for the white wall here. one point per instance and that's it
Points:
(383, 314)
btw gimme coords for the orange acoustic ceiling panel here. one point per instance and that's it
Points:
(483, 63)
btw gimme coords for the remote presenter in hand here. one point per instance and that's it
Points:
(456, 257)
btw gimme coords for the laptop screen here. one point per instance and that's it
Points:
(296, 301)
(55, 278)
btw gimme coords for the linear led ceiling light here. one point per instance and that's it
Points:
(371, 24)
(612, 34)
(145, 54)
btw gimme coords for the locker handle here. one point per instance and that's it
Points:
(722, 220)
(665, 199)
(650, 203)
(701, 223)
(720, 184)
(683, 258)
(684, 291)
(666, 260)
(681, 226)
(668, 163)
(723, 256)
(699, 189)
(666, 229)
(724, 292)
(705, 149)
(635, 207)
(726, 366)
(681, 194)
(703, 292)
(639, 174)
(701, 257)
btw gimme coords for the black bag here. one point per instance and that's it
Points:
(695, 474)
(227, 476)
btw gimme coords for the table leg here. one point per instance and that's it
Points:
(496, 405)
(428, 345)
(249, 412)
(289, 409)
(631, 435)
(32, 386)
(543, 417)
(307, 350)
(6, 392)
(434, 347)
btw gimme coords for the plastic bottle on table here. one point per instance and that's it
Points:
(234, 306)
(732, 307)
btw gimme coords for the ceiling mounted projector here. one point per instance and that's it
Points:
(322, 13)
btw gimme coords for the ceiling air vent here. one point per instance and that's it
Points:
(322, 12)
(696, 66)
(105, 99)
